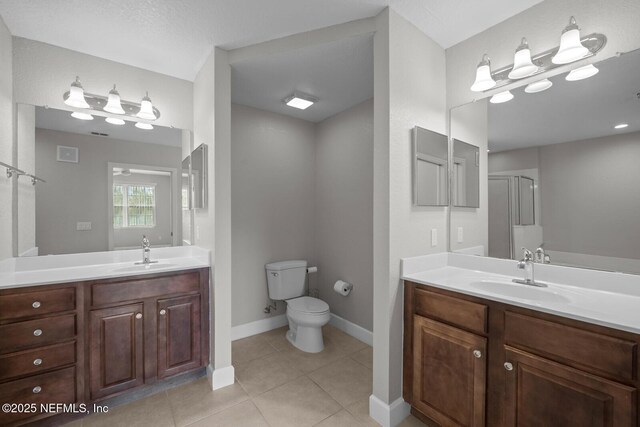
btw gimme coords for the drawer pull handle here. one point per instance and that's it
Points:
(37, 389)
(36, 304)
(37, 362)
(37, 332)
(508, 366)
(163, 312)
(477, 354)
(138, 315)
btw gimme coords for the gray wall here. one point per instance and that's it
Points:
(514, 160)
(78, 191)
(6, 142)
(344, 211)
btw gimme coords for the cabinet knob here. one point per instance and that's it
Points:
(37, 332)
(508, 366)
(37, 389)
(163, 312)
(477, 354)
(36, 304)
(37, 362)
(138, 315)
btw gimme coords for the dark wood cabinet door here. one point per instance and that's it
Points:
(540, 392)
(179, 332)
(449, 382)
(116, 360)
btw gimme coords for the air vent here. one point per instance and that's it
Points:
(99, 134)
(67, 154)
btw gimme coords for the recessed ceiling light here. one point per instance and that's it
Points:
(114, 121)
(300, 101)
(144, 126)
(501, 97)
(621, 126)
(81, 116)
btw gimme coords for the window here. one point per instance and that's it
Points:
(134, 205)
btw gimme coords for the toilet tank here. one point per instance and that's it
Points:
(285, 279)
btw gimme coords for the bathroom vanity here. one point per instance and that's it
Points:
(87, 341)
(477, 357)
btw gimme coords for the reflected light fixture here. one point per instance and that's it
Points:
(146, 109)
(522, 64)
(114, 121)
(76, 95)
(539, 86)
(571, 48)
(300, 101)
(113, 103)
(501, 97)
(81, 116)
(621, 126)
(483, 81)
(144, 126)
(582, 73)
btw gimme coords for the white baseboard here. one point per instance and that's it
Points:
(350, 328)
(258, 327)
(221, 377)
(388, 415)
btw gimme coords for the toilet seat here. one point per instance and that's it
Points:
(308, 305)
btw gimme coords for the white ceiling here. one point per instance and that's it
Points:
(174, 37)
(50, 118)
(570, 111)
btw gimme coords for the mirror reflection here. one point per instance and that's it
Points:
(465, 177)
(430, 168)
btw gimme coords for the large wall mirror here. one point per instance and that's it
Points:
(563, 169)
(430, 168)
(105, 185)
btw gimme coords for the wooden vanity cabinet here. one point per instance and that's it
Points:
(533, 369)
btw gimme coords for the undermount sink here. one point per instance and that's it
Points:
(143, 267)
(520, 291)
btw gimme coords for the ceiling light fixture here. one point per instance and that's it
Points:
(483, 81)
(146, 109)
(582, 73)
(144, 126)
(571, 48)
(81, 116)
(114, 121)
(76, 95)
(621, 126)
(501, 97)
(301, 101)
(539, 86)
(522, 64)
(113, 103)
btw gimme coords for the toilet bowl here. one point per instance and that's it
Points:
(307, 316)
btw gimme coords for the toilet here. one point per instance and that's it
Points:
(306, 315)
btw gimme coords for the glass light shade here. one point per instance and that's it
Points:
(144, 126)
(114, 121)
(81, 116)
(538, 86)
(582, 73)
(571, 48)
(501, 97)
(146, 109)
(76, 96)
(113, 103)
(483, 81)
(522, 64)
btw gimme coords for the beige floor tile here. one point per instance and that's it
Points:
(345, 342)
(345, 380)
(250, 348)
(411, 421)
(153, 410)
(277, 338)
(298, 403)
(360, 410)
(244, 414)
(195, 401)
(260, 375)
(341, 419)
(364, 357)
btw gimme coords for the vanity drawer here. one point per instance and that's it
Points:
(589, 351)
(34, 303)
(52, 387)
(29, 362)
(133, 289)
(465, 314)
(35, 333)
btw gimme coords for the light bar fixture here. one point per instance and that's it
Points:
(483, 81)
(582, 73)
(539, 86)
(114, 121)
(301, 101)
(113, 103)
(76, 95)
(571, 48)
(81, 116)
(501, 97)
(144, 126)
(522, 64)
(146, 109)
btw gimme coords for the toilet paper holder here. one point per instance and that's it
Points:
(343, 288)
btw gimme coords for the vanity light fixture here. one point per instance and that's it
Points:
(621, 126)
(522, 64)
(113, 103)
(144, 126)
(81, 116)
(114, 121)
(539, 86)
(301, 101)
(571, 48)
(483, 81)
(582, 73)
(146, 109)
(501, 97)
(76, 95)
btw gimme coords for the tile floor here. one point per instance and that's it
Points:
(277, 385)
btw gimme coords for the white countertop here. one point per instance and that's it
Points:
(44, 270)
(598, 297)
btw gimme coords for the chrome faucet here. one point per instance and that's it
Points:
(146, 252)
(527, 264)
(541, 257)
